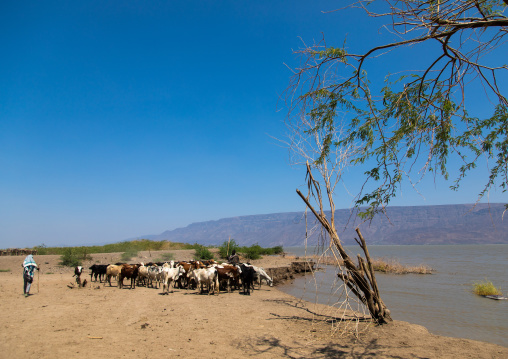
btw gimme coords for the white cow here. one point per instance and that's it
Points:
(205, 276)
(261, 274)
(154, 274)
(170, 275)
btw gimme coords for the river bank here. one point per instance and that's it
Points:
(105, 322)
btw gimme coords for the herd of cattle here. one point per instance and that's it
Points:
(206, 276)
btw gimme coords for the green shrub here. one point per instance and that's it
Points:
(486, 288)
(252, 252)
(4, 270)
(227, 248)
(70, 258)
(201, 252)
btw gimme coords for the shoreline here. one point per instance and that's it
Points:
(60, 322)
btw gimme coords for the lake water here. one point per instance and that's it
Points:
(442, 302)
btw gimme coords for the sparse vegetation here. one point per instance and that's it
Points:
(393, 266)
(166, 257)
(256, 251)
(486, 288)
(202, 252)
(129, 254)
(70, 258)
(227, 248)
(138, 245)
(253, 252)
(4, 270)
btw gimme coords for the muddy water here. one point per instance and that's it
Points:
(442, 302)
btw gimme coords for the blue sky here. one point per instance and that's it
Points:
(125, 118)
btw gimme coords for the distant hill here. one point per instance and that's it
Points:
(446, 224)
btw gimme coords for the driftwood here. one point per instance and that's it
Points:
(359, 278)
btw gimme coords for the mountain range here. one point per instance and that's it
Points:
(418, 225)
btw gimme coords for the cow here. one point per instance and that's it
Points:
(170, 275)
(247, 277)
(154, 274)
(77, 273)
(259, 275)
(205, 276)
(228, 276)
(184, 281)
(98, 270)
(112, 270)
(143, 274)
(129, 271)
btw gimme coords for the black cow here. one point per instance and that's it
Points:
(247, 277)
(98, 270)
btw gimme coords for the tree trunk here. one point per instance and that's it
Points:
(360, 279)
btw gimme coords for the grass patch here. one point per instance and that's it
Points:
(393, 266)
(4, 270)
(486, 288)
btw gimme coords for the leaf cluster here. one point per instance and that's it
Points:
(418, 123)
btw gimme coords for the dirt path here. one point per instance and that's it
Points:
(105, 322)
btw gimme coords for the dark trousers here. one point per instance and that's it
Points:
(26, 286)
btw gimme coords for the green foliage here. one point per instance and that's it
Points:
(252, 252)
(227, 247)
(255, 251)
(4, 270)
(70, 258)
(202, 253)
(417, 123)
(486, 288)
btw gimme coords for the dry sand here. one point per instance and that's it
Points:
(105, 322)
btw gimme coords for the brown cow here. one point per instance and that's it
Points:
(129, 271)
(228, 276)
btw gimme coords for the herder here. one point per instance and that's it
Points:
(29, 267)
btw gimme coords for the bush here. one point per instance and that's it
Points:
(252, 252)
(70, 258)
(202, 253)
(227, 248)
(129, 254)
(486, 288)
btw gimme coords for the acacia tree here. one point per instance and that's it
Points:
(306, 143)
(418, 121)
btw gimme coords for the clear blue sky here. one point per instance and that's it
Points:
(125, 118)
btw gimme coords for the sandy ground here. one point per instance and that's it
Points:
(105, 322)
